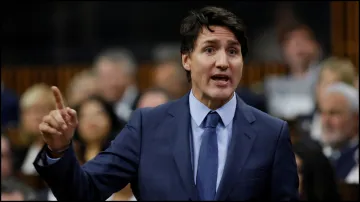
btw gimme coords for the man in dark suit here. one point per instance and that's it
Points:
(208, 145)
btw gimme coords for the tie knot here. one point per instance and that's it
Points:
(212, 119)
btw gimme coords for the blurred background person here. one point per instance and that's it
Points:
(301, 51)
(35, 103)
(333, 69)
(82, 86)
(317, 180)
(169, 73)
(98, 126)
(266, 46)
(153, 97)
(115, 70)
(339, 107)
(293, 94)
(9, 108)
(12, 188)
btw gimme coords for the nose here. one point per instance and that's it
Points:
(222, 60)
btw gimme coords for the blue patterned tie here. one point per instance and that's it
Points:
(208, 159)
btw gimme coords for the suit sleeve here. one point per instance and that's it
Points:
(285, 181)
(109, 172)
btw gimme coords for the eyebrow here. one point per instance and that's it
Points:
(215, 41)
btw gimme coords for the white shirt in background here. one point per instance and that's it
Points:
(27, 167)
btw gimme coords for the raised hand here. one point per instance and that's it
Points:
(57, 128)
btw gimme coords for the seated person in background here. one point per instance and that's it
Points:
(82, 86)
(317, 180)
(115, 70)
(12, 189)
(333, 70)
(153, 97)
(170, 75)
(293, 95)
(98, 126)
(297, 135)
(9, 108)
(35, 102)
(339, 107)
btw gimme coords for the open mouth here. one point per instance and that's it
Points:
(220, 78)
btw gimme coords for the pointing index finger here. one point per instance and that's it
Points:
(58, 98)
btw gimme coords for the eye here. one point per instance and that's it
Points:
(209, 50)
(233, 51)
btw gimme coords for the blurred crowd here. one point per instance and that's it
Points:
(318, 97)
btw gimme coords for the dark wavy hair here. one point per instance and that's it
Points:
(319, 180)
(204, 18)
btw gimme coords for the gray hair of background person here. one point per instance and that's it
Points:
(350, 93)
(164, 52)
(119, 55)
(169, 53)
(157, 90)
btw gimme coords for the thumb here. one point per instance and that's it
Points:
(72, 116)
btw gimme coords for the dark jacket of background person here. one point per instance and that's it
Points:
(319, 182)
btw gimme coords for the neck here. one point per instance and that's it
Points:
(124, 195)
(93, 146)
(298, 71)
(91, 151)
(211, 103)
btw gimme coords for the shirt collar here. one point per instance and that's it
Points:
(199, 111)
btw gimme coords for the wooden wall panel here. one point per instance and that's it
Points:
(353, 31)
(337, 28)
(345, 30)
(20, 78)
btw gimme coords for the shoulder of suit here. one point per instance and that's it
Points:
(263, 117)
(157, 112)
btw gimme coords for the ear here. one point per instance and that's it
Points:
(186, 61)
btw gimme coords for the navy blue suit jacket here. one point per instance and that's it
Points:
(152, 152)
(346, 162)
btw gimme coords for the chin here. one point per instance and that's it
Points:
(221, 94)
(333, 139)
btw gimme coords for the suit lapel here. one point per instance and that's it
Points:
(180, 126)
(239, 149)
